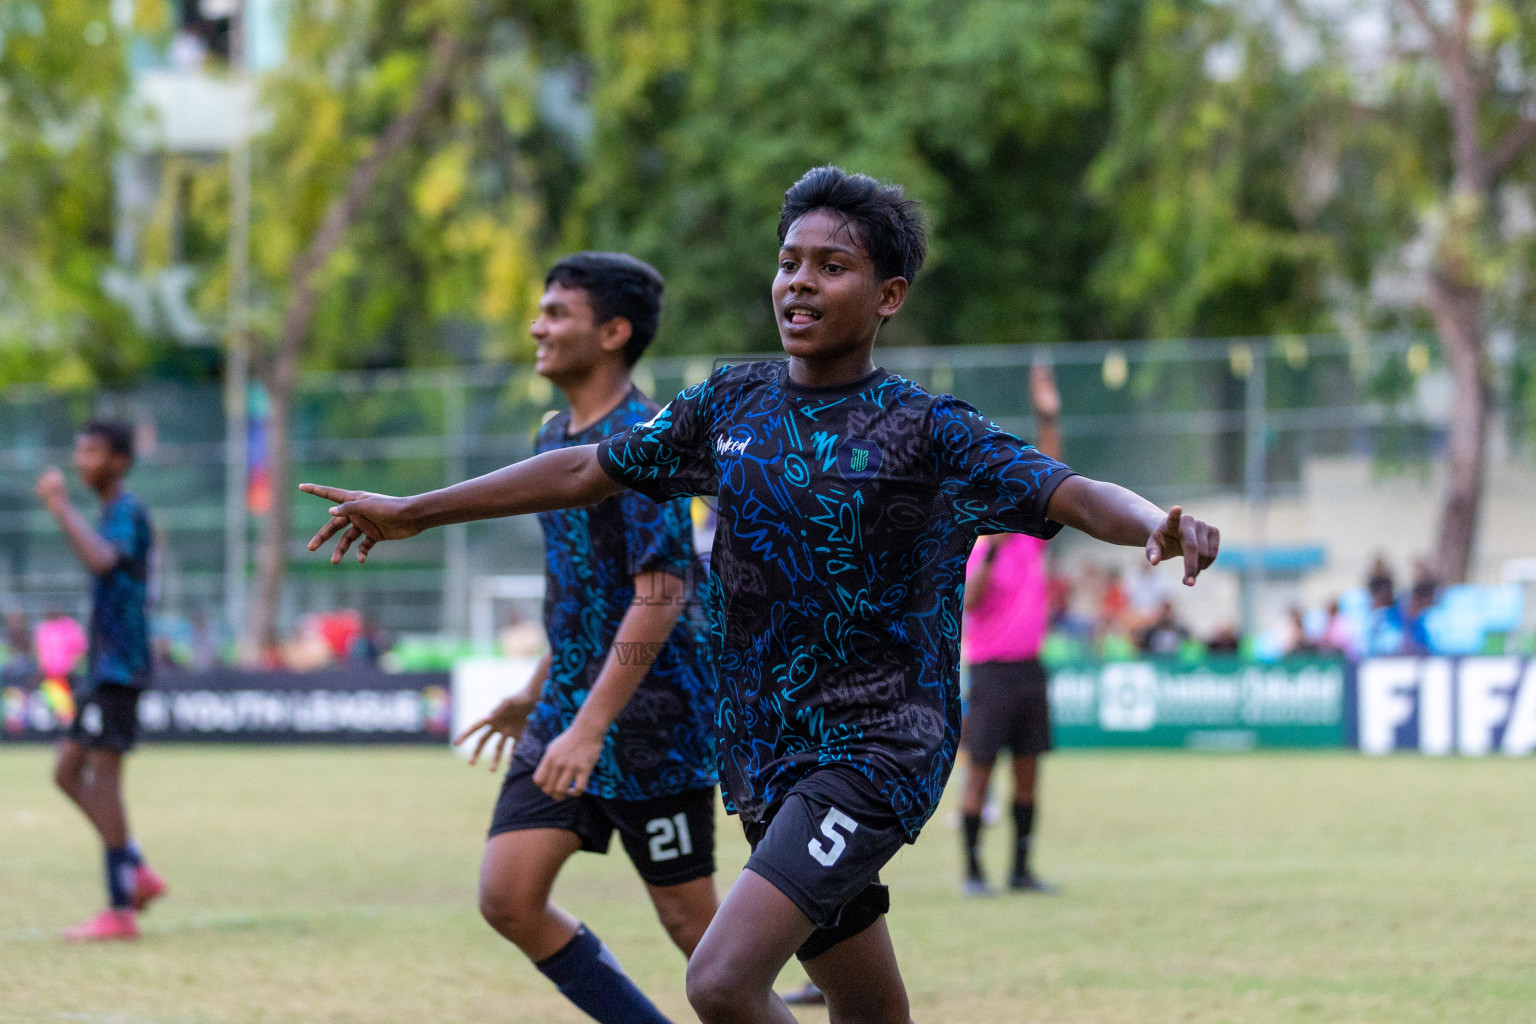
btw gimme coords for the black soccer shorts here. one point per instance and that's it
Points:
(1009, 709)
(669, 839)
(107, 718)
(823, 847)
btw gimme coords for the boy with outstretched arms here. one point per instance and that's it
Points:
(615, 731)
(848, 500)
(106, 725)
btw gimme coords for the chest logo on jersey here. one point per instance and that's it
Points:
(731, 445)
(858, 459)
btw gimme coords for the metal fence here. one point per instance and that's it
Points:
(1171, 419)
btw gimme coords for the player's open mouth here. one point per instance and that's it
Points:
(799, 315)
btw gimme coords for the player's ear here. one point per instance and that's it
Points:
(893, 292)
(615, 334)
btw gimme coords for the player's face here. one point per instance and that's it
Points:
(827, 296)
(95, 462)
(569, 342)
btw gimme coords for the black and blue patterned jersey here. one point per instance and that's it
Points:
(845, 518)
(119, 635)
(662, 743)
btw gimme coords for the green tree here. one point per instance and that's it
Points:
(1263, 173)
(988, 110)
(62, 83)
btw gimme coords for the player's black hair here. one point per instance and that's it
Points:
(115, 434)
(890, 225)
(616, 284)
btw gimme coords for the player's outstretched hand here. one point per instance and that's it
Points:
(1184, 535)
(366, 517)
(505, 725)
(567, 763)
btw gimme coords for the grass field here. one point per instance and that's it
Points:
(334, 885)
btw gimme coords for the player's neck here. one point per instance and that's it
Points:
(596, 393)
(109, 492)
(829, 373)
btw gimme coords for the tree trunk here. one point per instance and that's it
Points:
(277, 531)
(1456, 308)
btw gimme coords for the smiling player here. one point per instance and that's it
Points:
(618, 716)
(849, 499)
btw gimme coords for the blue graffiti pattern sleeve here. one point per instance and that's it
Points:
(669, 455)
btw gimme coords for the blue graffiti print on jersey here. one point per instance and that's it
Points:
(119, 637)
(846, 516)
(663, 741)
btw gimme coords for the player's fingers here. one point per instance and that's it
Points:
(579, 783)
(469, 732)
(1189, 540)
(365, 547)
(327, 531)
(1210, 546)
(328, 493)
(347, 540)
(496, 751)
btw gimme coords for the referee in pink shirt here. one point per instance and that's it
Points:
(1005, 621)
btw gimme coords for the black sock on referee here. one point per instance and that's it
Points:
(1023, 830)
(972, 839)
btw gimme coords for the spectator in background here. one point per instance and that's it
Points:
(1146, 594)
(1063, 619)
(1113, 603)
(1337, 636)
(1384, 628)
(1421, 598)
(20, 659)
(1163, 637)
(1297, 640)
(1225, 641)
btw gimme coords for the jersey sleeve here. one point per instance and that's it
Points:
(669, 455)
(996, 482)
(126, 528)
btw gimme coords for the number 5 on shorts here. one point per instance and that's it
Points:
(826, 856)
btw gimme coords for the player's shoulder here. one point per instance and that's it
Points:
(129, 506)
(747, 375)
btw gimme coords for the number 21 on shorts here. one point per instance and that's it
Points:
(832, 826)
(669, 837)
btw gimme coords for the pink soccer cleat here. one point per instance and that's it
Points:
(107, 926)
(148, 886)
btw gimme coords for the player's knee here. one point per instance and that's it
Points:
(67, 778)
(716, 993)
(681, 925)
(511, 914)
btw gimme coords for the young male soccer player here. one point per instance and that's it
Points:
(90, 758)
(848, 501)
(1006, 609)
(619, 716)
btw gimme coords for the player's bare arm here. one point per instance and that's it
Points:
(569, 758)
(1111, 513)
(568, 478)
(506, 723)
(95, 552)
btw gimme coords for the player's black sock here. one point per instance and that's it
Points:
(972, 840)
(119, 879)
(588, 974)
(1023, 830)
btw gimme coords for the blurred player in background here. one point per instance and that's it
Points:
(1006, 612)
(615, 730)
(106, 724)
(849, 499)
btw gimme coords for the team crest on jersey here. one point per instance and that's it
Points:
(858, 459)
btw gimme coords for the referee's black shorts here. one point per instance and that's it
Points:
(1010, 709)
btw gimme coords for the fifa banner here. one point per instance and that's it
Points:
(1473, 706)
(1211, 705)
(347, 705)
